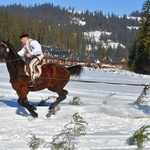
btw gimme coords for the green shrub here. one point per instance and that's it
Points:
(43, 101)
(140, 136)
(35, 142)
(142, 96)
(1, 96)
(63, 140)
(73, 129)
(75, 101)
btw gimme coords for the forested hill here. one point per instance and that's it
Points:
(122, 29)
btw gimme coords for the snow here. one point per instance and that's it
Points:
(133, 27)
(78, 21)
(96, 36)
(105, 108)
(134, 18)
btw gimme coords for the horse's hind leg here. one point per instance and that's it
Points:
(61, 97)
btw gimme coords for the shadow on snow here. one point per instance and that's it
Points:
(142, 107)
(20, 110)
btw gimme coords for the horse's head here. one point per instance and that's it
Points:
(4, 49)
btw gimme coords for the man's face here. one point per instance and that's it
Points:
(24, 40)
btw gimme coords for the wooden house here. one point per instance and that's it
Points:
(69, 58)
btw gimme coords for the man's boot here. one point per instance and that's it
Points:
(31, 84)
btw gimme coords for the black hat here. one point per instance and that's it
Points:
(23, 35)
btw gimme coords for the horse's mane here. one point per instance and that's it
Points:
(17, 58)
(13, 49)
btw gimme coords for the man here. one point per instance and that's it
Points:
(32, 49)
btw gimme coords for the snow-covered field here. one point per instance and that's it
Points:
(105, 108)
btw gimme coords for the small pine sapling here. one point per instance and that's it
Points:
(73, 129)
(63, 140)
(1, 96)
(140, 136)
(35, 142)
(43, 101)
(75, 101)
(142, 97)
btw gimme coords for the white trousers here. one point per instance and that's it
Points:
(35, 61)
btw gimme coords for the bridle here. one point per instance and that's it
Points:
(7, 50)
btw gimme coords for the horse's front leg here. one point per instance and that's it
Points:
(31, 108)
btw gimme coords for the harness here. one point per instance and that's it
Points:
(28, 60)
(30, 47)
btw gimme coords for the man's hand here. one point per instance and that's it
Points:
(28, 55)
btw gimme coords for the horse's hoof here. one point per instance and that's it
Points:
(34, 114)
(48, 115)
(52, 111)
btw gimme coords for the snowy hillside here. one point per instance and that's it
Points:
(96, 36)
(105, 106)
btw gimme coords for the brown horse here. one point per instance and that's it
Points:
(54, 77)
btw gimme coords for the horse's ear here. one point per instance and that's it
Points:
(6, 40)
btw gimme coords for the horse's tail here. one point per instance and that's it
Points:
(75, 70)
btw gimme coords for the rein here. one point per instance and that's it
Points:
(7, 48)
(115, 83)
(13, 60)
(98, 82)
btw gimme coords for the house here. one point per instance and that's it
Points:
(116, 62)
(70, 58)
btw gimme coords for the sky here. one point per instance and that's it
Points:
(118, 7)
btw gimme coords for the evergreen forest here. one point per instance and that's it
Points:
(139, 54)
(50, 25)
(54, 26)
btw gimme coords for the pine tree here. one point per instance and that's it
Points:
(132, 56)
(139, 59)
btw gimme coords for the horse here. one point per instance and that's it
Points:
(54, 77)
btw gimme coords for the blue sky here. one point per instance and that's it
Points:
(118, 7)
